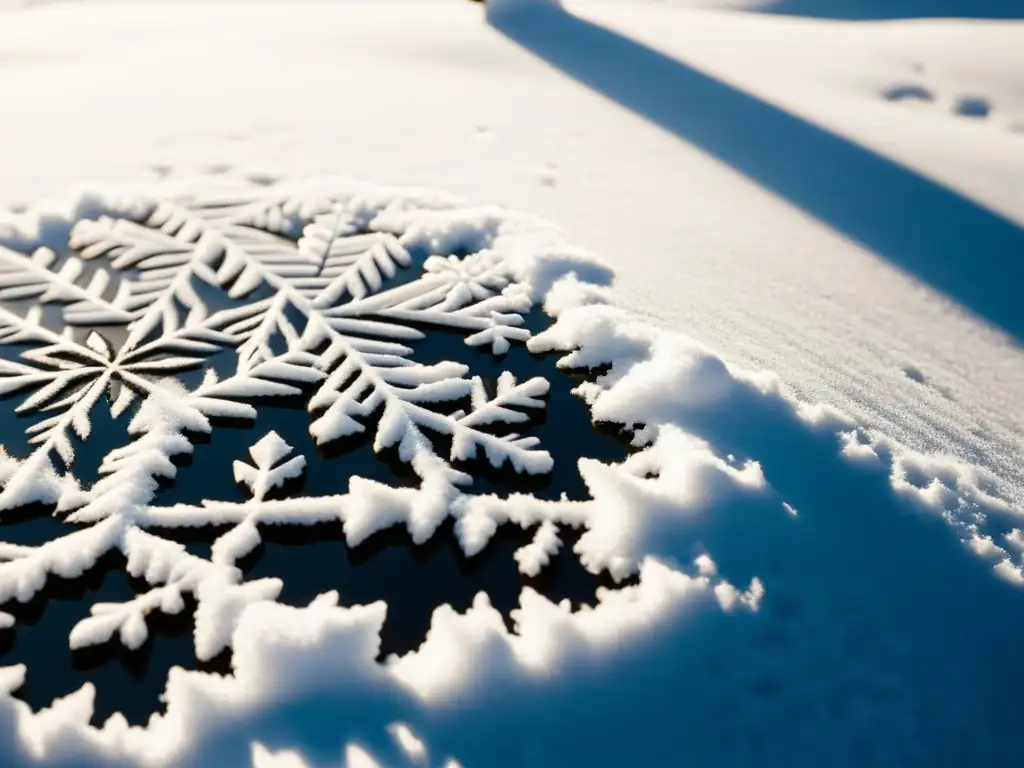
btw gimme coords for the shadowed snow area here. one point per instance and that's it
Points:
(898, 9)
(859, 10)
(921, 227)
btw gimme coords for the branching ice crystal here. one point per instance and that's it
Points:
(329, 316)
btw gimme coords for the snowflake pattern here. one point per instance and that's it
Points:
(328, 316)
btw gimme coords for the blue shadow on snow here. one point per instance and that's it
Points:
(969, 253)
(862, 10)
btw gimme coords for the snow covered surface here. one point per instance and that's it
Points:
(447, 101)
(840, 582)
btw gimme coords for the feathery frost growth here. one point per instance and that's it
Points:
(187, 279)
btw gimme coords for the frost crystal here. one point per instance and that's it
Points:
(329, 316)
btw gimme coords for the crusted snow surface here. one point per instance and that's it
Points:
(735, 608)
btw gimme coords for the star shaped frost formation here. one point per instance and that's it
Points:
(191, 309)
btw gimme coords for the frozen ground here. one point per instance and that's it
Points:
(837, 201)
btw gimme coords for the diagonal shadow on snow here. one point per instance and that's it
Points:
(969, 253)
(897, 9)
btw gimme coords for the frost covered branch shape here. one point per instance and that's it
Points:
(302, 314)
(193, 278)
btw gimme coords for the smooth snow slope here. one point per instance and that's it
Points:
(122, 91)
